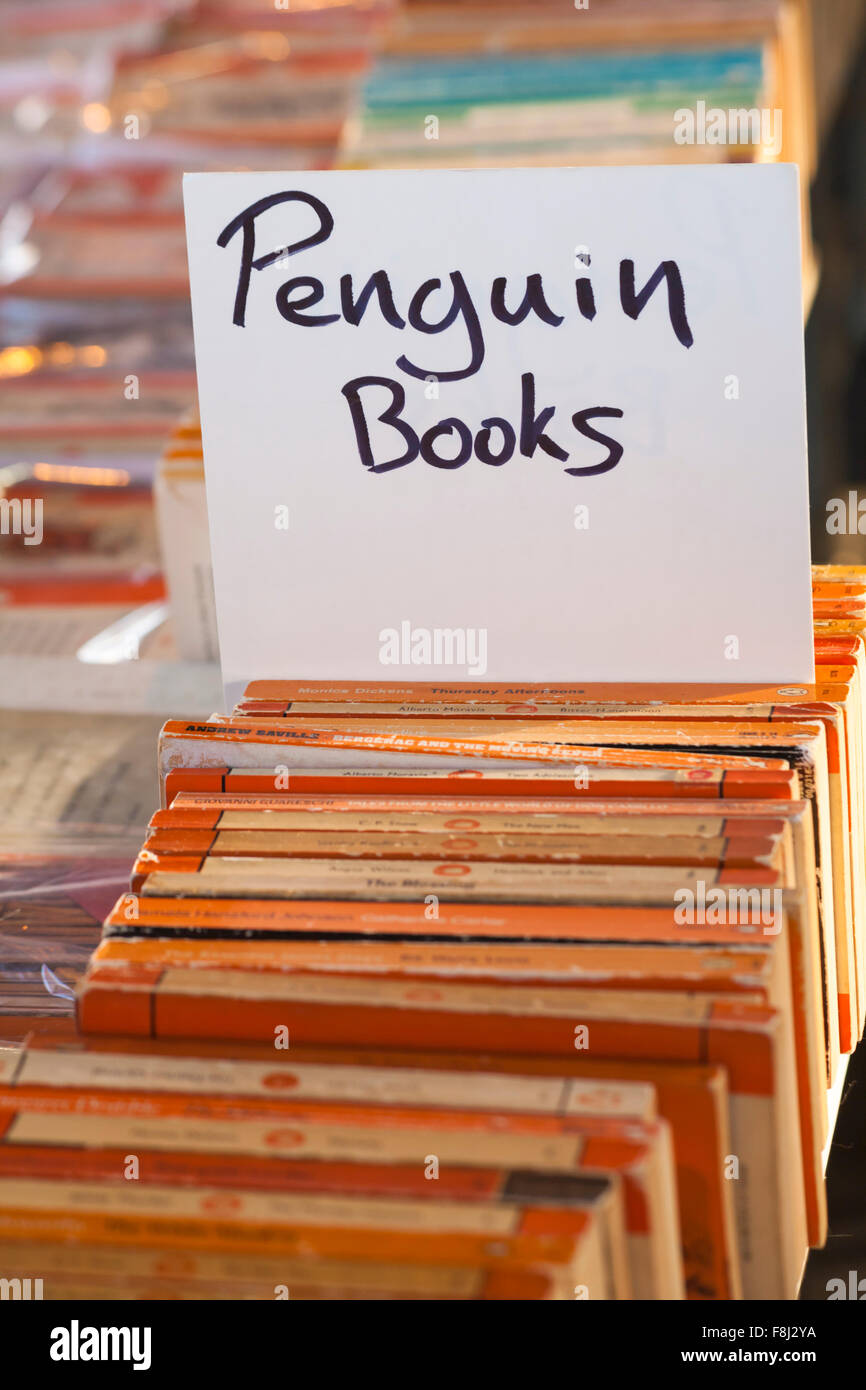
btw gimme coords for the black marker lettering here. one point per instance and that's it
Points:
(390, 416)
(585, 297)
(633, 303)
(579, 420)
(533, 301)
(449, 426)
(290, 308)
(249, 260)
(299, 294)
(353, 309)
(482, 441)
(532, 434)
(461, 303)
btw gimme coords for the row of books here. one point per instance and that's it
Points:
(556, 83)
(561, 107)
(482, 85)
(101, 112)
(442, 992)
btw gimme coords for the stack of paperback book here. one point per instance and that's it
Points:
(487, 83)
(440, 992)
(102, 108)
(477, 83)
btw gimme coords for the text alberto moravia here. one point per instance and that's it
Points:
(496, 439)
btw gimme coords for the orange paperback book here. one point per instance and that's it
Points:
(584, 781)
(693, 1099)
(77, 1270)
(751, 1041)
(779, 964)
(566, 1246)
(278, 1148)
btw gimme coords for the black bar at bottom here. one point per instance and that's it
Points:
(254, 1339)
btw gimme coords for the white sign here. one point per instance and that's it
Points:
(526, 425)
